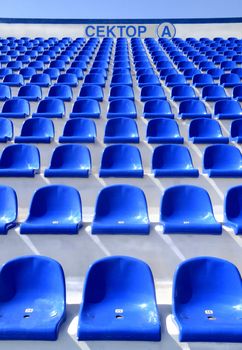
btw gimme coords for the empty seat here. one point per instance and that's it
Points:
(95, 79)
(8, 209)
(121, 130)
(79, 130)
(15, 108)
(148, 79)
(13, 80)
(54, 209)
(152, 92)
(33, 299)
(214, 93)
(203, 130)
(206, 291)
(227, 109)
(191, 109)
(122, 108)
(173, 161)
(162, 130)
(118, 92)
(188, 209)
(99, 317)
(93, 92)
(4, 72)
(69, 79)
(229, 80)
(6, 130)
(30, 92)
(77, 72)
(50, 108)
(121, 161)
(121, 79)
(52, 72)
(175, 79)
(20, 161)
(69, 161)
(237, 93)
(62, 92)
(124, 212)
(183, 92)
(201, 80)
(232, 209)
(5, 92)
(41, 80)
(222, 161)
(36, 130)
(157, 109)
(236, 130)
(86, 109)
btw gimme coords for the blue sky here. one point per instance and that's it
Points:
(121, 9)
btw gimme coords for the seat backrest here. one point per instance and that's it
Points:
(56, 200)
(185, 201)
(22, 156)
(8, 204)
(71, 156)
(53, 105)
(221, 156)
(119, 278)
(38, 126)
(121, 155)
(16, 106)
(233, 203)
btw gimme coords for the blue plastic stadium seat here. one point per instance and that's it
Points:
(121, 130)
(162, 130)
(151, 92)
(36, 130)
(15, 65)
(206, 292)
(125, 211)
(15, 108)
(222, 161)
(148, 79)
(203, 130)
(188, 209)
(229, 80)
(190, 72)
(237, 93)
(6, 130)
(100, 71)
(122, 108)
(13, 80)
(8, 209)
(55, 209)
(77, 72)
(118, 92)
(79, 130)
(4, 72)
(41, 80)
(236, 130)
(157, 109)
(167, 71)
(121, 79)
(33, 301)
(59, 64)
(5, 92)
(173, 161)
(237, 71)
(50, 108)
(30, 92)
(101, 319)
(228, 65)
(20, 161)
(121, 161)
(27, 72)
(201, 80)
(67, 79)
(227, 109)
(93, 92)
(183, 92)
(37, 65)
(175, 79)
(52, 72)
(214, 93)
(232, 209)
(191, 109)
(95, 79)
(86, 108)
(69, 161)
(62, 92)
